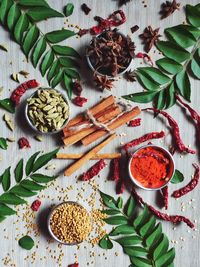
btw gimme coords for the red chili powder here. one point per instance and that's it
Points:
(151, 167)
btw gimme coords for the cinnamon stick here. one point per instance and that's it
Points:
(95, 157)
(75, 166)
(124, 118)
(74, 137)
(94, 110)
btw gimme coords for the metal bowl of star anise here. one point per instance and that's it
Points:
(110, 53)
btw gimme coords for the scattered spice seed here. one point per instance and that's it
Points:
(15, 77)
(190, 186)
(10, 139)
(77, 88)
(168, 8)
(135, 123)
(134, 28)
(39, 138)
(9, 122)
(36, 205)
(24, 73)
(103, 82)
(149, 37)
(79, 101)
(85, 9)
(94, 170)
(3, 47)
(50, 167)
(171, 218)
(21, 89)
(144, 138)
(24, 143)
(130, 76)
(175, 129)
(165, 194)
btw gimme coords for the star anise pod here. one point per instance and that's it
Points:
(130, 76)
(131, 47)
(103, 82)
(149, 37)
(123, 2)
(168, 8)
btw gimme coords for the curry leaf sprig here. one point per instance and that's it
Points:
(56, 61)
(140, 236)
(181, 58)
(26, 185)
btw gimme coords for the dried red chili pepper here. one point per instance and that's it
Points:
(134, 123)
(120, 187)
(24, 143)
(94, 170)
(195, 116)
(21, 89)
(79, 101)
(115, 170)
(165, 193)
(36, 205)
(146, 57)
(74, 265)
(115, 19)
(170, 218)
(190, 186)
(144, 138)
(175, 129)
(85, 8)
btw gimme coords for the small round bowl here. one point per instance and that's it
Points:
(30, 122)
(103, 74)
(49, 225)
(171, 162)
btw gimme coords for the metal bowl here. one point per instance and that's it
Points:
(49, 225)
(30, 122)
(172, 166)
(103, 74)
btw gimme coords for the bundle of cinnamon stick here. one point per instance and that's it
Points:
(107, 113)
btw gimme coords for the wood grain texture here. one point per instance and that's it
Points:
(187, 251)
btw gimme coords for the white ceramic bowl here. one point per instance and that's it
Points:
(49, 224)
(102, 74)
(172, 166)
(30, 122)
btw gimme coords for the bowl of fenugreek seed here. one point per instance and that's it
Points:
(69, 223)
(47, 111)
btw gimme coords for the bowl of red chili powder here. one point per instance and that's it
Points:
(151, 167)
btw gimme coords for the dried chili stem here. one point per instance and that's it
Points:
(175, 129)
(190, 186)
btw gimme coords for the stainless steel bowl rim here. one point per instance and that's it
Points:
(99, 73)
(31, 124)
(49, 219)
(136, 182)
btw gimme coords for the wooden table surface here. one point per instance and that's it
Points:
(185, 240)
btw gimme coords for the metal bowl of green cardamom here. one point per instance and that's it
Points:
(47, 111)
